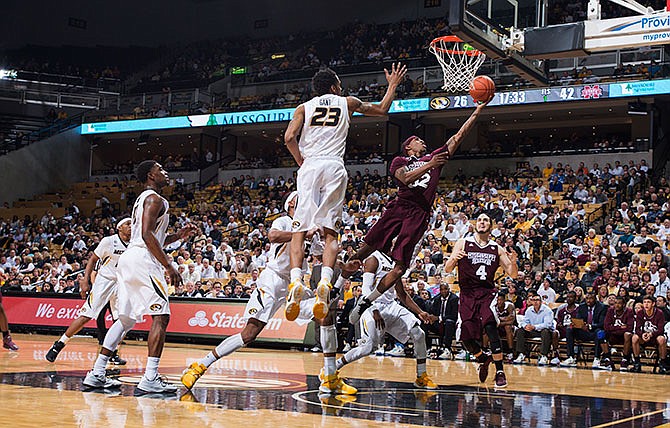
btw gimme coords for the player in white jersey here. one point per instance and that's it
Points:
(266, 299)
(387, 315)
(141, 277)
(104, 289)
(323, 124)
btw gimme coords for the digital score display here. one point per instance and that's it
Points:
(526, 96)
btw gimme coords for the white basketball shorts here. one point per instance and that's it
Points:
(142, 289)
(102, 292)
(322, 184)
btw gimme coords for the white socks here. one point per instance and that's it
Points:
(329, 366)
(296, 274)
(64, 339)
(152, 368)
(100, 365)
(326, 273)
(420, 369)
(227, 347)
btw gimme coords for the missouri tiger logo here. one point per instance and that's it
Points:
(296, 224)
(155, 307)
(252, 311)
(439, 103)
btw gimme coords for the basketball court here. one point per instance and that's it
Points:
(280, 388)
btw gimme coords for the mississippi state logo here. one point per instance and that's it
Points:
(155, 307)
(199, 320)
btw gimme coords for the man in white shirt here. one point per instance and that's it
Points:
(78, 244)
(663, 283)
(64, 266)
(207, 270)
(547, 293)
(664, 230)
(538, 321)
(191, 274)
(451, 233)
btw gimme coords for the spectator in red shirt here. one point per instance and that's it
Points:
(619, 323)
(649, 326)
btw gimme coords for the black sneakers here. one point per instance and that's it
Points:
(54, 351)
(116, 360)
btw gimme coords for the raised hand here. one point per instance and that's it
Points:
(397, 74)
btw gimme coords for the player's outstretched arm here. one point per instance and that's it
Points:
(508, 261)
(394, 78)
(292, 132)
(457, 253)
(456, 140)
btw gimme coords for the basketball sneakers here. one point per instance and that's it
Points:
(424, 382)
(192, 374)
(296, 290)
(320, 308)
(334, 384)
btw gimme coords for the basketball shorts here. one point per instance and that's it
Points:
(476, 309)
(103, 291)
(398, 322)
(404, 220)
(615, 339)
(142, 289)
(322, 184)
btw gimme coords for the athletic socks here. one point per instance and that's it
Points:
(152, 368)
(64, 339)
(5, 333)
(326, 273)
(420, 369)
(100, 365)
(227, 347)
(329, 366)
(499, 365)
(296, 274)
(340, 363)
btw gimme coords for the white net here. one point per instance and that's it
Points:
(459, 62)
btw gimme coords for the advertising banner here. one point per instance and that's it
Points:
(189, 318)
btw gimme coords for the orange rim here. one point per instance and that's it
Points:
(452, 39)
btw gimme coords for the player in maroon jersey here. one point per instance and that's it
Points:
(564, 318)
(618, 326)
(478, 258)
(406, 217)
(649, 326)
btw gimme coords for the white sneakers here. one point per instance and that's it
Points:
(158, 384)
(446, 354)
(596, 364)
(397, 351)
(555, 361)
(346, 348)
(520, 359)
(569, 362)
(542, 361)
(100, 381)
(462, 355)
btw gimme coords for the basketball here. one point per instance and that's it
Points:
(482, 89)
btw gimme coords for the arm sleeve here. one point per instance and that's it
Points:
(439, 150)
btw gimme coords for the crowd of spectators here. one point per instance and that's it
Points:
(567, 251)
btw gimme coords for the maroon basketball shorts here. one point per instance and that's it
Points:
(615, 338)
(403, 221)
(476, 310)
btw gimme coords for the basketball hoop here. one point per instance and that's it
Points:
(459, 62)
